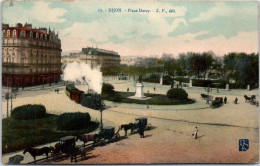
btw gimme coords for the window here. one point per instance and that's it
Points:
(31, 34)
(46, 37)
(22, 33)
(3, 35)
(41, 37)
(14, 33)
(8, 33)
(37, 35)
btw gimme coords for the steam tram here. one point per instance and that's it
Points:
(89, 100)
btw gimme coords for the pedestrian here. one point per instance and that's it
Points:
(127, 89)
(147, 105)
(225, 100)
(236, 100)
(195, 134)
(141, 129)
(217, 90)
(154, 88)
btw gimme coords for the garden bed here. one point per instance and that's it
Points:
(18, 134)
(156, 99)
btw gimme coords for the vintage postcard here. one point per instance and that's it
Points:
(130, 82)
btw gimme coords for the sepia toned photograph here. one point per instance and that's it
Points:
(130, 82)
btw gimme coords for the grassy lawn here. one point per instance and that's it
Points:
(18, 134)
(156, 99)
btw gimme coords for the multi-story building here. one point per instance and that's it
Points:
(99, 57)
(30, 56)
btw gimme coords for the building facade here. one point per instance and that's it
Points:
(30, 56)
(99, 57)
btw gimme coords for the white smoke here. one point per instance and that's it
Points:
(77, 71)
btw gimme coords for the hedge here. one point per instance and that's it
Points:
(73, 121)
(26, 112)
(177, 94)
(108, 92)
(107, 88)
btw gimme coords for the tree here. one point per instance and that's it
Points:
(206, 61)
(169, 66)
(243, 68)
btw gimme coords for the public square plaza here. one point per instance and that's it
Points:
(170, 140)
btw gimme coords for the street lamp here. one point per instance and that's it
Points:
(102, 108)
(8, 96)
(208, 90)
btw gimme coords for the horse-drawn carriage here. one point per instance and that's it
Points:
(107, 134)
(218, 102)
(68, 146)
(251, 100)
(139, 126)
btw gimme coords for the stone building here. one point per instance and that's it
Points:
(99, 57)
(30, 56)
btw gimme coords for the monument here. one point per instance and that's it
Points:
(190, 84)
(139, 90)
(227, 86)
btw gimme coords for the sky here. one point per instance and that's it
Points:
(170, 27)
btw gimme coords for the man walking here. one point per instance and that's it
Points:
(225, 100)
(195, 134)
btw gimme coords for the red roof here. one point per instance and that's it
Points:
(26, 29)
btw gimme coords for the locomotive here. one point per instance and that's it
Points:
(90, 100)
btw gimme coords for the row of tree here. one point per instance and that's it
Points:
(241, 67)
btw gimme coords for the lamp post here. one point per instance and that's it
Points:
(7, 99)
(208, 90)
(101, 118)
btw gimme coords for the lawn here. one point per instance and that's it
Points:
(18, 134)
(156, 99)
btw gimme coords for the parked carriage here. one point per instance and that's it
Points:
(251, 100)
(68, 146)
(107, 134)
(218, 102)
(140, 123)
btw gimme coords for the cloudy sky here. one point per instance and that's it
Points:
(221, 27)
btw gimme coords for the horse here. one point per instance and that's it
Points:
(57, 90)
(127, 127)
(247, 98)
(70, 150)
(87, 137)
(204, 96)
(37, 152)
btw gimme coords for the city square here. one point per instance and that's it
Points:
(118, 82)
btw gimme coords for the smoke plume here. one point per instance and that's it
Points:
(77, 71)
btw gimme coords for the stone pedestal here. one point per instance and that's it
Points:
(227, 86)
(161, 80)
(139, 90)
(190, 85)
(248, 87)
